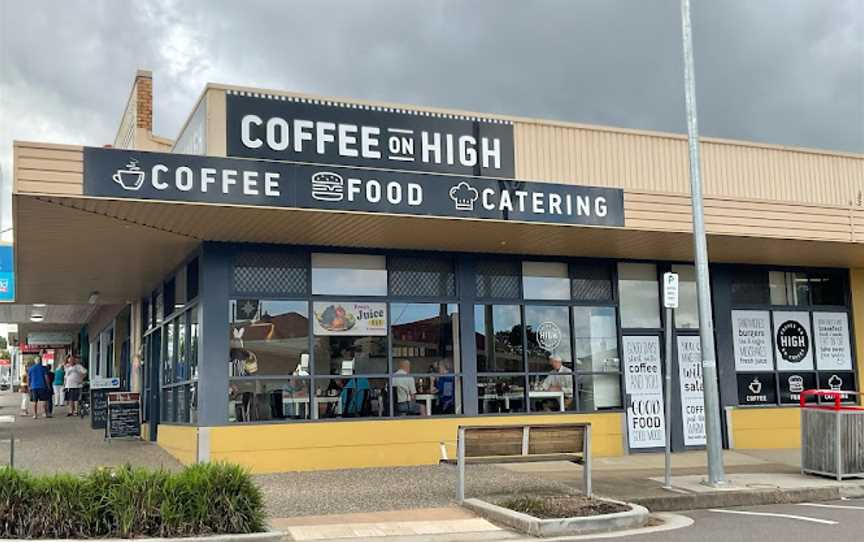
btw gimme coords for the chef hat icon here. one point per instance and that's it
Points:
(464, 196)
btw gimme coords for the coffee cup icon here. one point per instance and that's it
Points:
(130, 178)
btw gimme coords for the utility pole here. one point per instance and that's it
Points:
(714, 444)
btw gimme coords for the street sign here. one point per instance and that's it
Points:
(670, 290)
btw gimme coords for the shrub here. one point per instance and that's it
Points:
(129, 502)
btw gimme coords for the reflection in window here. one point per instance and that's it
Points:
(640, 298)
(356, 397)
(828, 289)
(548, 336)
(269, 338)
(599, 392)
(194, 330)
(498, 330)
(500, 394)
(687, 313)
(545, 280)
(592, 282)
(355, 355)
(596, 335)
(261, 400)
(170, 352)
(788, 288)
(349, 274)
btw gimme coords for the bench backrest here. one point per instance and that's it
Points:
(524, 440)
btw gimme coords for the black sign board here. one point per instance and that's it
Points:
(117, 173)
(324, 132)
(124, 415)
(838, 381)
(792, 384)
(98, 408)
(756, 389)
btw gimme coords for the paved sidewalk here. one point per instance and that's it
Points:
(68, 444)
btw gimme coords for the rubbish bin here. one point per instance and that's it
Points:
(832, 436)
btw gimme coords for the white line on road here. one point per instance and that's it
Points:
(768, 514)
(837, 506)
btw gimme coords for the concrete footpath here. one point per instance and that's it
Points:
(756, 477)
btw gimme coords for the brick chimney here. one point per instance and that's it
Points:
(136, 124)
(143, 89)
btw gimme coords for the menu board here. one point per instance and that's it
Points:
(335, 318)
(831, 338)
(643, 383)
(99, 388)
(751, 337)
(793, 343)
(124, 415)
(692, 390)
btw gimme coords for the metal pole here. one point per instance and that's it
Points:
(460, 465)
(667, 479)
(716, 475)
(12, 449)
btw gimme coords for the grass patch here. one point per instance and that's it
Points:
(561, 506)
(127, 502)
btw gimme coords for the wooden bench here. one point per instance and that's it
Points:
(523, 443)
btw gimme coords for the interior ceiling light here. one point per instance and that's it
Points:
(94, 297)
(37, 317)
(39, 305)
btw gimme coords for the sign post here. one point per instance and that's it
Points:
(670, 302)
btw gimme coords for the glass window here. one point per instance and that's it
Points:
(357, 397)
(788, 288)
(158, 308)
(749, 287)
(828, 288)
(170, 352)
(269, 337)
(599, 391)
(181, 368)
(687, 313)
(596, 336)
(545, 280)
(498, 330)
(353, 355)
(500, 394)
(348, 274)
(426, 334)
(168, 294)
(180, 290)
(252, 400)
(548, 336)
(591, 282)
(265, 273)
(193, 343)
(640, 297)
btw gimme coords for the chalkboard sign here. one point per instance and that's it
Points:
(124, 415)
(99, 389)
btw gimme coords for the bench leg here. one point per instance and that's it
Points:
(460, 464)
(586, 464)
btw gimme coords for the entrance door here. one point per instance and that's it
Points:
(152, 384)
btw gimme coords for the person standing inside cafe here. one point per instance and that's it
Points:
(74, 377)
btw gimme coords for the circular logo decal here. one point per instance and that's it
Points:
(792, 341)
(548, 336)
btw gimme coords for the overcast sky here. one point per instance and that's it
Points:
(780, 71)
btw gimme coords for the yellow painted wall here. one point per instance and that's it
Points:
(181, 441)
(376, 443)
(856, 281)
(765, 428)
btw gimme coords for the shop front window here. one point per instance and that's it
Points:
(640, 297)
(349, 274)
(545, 281)
(687, 313)
(498, 330)
(426, 361)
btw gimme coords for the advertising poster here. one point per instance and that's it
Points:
(350, 319)
(831, 337)
(793, 343)
(757, 389)
(793, 384)
(751, 336)
(692, 391)
(643, 383)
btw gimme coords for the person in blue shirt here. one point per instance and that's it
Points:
(40, 392)
(445, 389)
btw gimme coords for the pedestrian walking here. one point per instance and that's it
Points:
(74, 376)
(59, 379)
(24, 390)
(40, 388)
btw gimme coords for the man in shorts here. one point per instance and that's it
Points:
(74, 377)
(40, 392)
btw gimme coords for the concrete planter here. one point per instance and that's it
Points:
(636, 517)
(267, 536)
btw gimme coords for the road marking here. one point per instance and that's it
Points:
(837, 506)
(769, 514)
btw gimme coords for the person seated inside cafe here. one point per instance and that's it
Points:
(406, 391)
(445, 389)
(559, 379)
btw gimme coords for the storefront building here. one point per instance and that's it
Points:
(305, 283)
